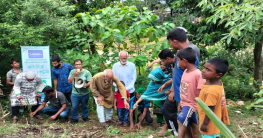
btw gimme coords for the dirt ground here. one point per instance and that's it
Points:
(60, 128)
(247, 120)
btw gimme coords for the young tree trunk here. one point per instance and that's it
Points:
(140, 71)
(258, 64)
(92, 48)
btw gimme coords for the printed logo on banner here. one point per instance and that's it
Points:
(35, 53)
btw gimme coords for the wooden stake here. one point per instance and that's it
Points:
(242, 131)
(4, 116)
(2, 111)
(94, 133)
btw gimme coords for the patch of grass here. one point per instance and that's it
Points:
(47, 134)
(248, 120)
(111, 131)
(8, 129)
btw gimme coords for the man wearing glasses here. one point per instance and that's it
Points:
(100, 87)
(79, 95)
(126, 72)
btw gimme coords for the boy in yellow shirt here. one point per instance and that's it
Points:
(213, 95)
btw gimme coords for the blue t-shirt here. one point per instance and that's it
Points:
(141, 105)
(62, 75)
(178, 72)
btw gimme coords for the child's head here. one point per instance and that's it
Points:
(162, 65)
(166, 56)
(139, 92)
(214, 68)
(186, 55)
(14, 63)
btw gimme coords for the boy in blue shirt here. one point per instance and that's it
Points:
(143, 109)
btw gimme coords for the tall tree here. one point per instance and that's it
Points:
(32, 22)
(244, 21)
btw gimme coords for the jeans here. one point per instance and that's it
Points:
(75, 101)
(123, 114)
(50, 110)
(100, 112)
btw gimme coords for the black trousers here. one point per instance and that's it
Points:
(170, 114)
(67, 95)
(15, 109)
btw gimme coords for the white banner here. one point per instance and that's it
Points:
(37, 59)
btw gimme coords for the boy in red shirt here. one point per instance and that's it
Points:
(190, 87)
(123, 113)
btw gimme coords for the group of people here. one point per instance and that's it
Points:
(173, 87)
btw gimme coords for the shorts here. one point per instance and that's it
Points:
(187, 115)
(211, 136)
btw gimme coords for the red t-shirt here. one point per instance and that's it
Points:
(120, 102)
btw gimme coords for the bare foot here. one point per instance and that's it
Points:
(160, 133)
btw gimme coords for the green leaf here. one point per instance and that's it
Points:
(228, 40)
(136, 114)
(131, 59)
(222, 14)
(118, 37)
(85, 20)
(138, 29)
(148, 47)
(78, 15)
(219, 124)
(152, 37)
(92, 24)
(93, 36)
(97, 16)
(101, 24)
(172, 25)
(86, 46)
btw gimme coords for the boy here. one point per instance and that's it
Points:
(123, 113)
(213, 95)
(143, 109)
(11, 75)
(59, 105)
(190, 86)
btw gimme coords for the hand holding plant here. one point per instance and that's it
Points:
(138, 126)
(22, 102)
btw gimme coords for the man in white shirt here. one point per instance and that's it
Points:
(126, 72)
